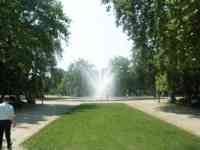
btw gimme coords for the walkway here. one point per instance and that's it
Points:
(182, 117)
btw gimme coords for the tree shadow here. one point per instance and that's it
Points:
(85, 108)
(33, 114)
(179, 109)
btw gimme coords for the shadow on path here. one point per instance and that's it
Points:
(181, 110)
(36, 113)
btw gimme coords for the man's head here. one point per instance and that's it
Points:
(4, 99)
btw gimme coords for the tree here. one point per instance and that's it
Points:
(137, 20)
(31, 32)
(54, 81)
(166, 40)
(161, 85)
(76, 81)
(120, 68)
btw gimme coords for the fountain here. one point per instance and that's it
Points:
(104, 84)
(101, 82)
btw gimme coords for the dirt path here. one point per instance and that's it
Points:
(31, 120)
(182, 117)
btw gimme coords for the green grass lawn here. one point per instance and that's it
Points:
(111, 127)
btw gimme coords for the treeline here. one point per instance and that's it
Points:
(129, 79)
(81, 79)
(30, 40)
(73, 82)
(166, 46)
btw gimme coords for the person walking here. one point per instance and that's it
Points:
(7, 119)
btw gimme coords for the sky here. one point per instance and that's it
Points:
(94, 35)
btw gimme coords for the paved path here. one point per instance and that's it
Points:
(31, 120)
(182, 117)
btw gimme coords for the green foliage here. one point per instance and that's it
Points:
(73, 82)
(31, 32)
(120, 68)
(77, 78)
(161, 83)
(55, 82)
(166, 40)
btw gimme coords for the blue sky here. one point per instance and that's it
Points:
(94, 35)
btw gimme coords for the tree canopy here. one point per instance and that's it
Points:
(166, 40)
(30, 40)
(76, 81)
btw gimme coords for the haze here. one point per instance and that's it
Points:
(94, 35)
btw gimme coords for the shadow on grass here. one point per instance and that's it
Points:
(178, 109)
(84, 108)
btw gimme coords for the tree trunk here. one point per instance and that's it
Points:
(172, 97)
(159, 96)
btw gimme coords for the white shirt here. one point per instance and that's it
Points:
(6, 111)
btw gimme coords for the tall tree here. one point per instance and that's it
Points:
(31, 32)
(120, 68)
(77, 79)
(166, 40)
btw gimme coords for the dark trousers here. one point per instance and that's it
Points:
(5, 127)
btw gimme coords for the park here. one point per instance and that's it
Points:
(101, 74)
